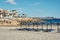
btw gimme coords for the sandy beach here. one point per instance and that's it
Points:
(7, 34)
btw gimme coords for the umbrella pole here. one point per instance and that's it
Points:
(21, 26)
(57, 27)
(51, 26)
(42, 26)
(28, 25)
(37, 26)
(47, 26)
(33, 26)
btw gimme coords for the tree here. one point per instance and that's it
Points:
(24, 15)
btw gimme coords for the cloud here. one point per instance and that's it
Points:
(11, 1)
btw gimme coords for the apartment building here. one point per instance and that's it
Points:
(8, 14)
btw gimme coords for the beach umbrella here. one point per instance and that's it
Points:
(51, 24)
(58, 26)
(33, 25)
(47, 25)
(28, 25)
(36, 25)
(21, 25)
(42, 23)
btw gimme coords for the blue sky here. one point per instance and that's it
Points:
(33, 8)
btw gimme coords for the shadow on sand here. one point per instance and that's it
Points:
(36, 30)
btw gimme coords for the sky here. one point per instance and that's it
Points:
(33, 8)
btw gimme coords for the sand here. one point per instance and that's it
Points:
(7, 34)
